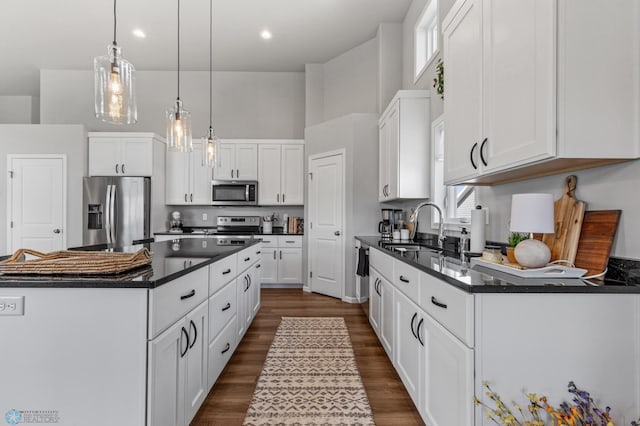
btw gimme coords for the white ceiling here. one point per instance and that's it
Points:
(67, 34)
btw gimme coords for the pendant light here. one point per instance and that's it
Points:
(114, 78)
(210, 142)
(179, 119)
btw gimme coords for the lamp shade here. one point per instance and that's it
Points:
(114, 81)
(532, 213)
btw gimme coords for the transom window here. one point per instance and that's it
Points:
(426, 37)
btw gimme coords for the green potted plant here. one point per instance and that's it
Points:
(513, 241)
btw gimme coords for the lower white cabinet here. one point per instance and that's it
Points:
(221, 349)
(178, 370)
(381, 309)
(281, 260)
(409, 349)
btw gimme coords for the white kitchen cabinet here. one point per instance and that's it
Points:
(236, 161)
(122, 154)
(280, 174)
(188, 181)
(248, 297)
(514, 100)
(409, 351)
(381, 310)
(281, 259)
(178, 370)
(404, 135)
(255, 289)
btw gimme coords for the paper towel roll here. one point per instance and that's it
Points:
(478, 220)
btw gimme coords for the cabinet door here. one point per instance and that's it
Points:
(387, 321)
(226, 162)
(519, 83)
(166, 369)
(383, 160)
(248, 313)
(104, 155)
(220, 350)
(447, 381)
(393, 146)
(136, 157)
(374, 300)
(196, 389)
(269, 157)
(290, 265)
(409, 351)
(292, 175)
(255, 289)
(463, 98)
(200, 178)
(242, 286)
(246, 161)
(269, 265)
(177, 178)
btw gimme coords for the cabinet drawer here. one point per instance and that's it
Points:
(407, 280)
(171, 301)
(382, 262)
(220, 350)
(451, 307)
(246, 258)
(289, 241)
(269, 240)
(221, 272)
(222, 307)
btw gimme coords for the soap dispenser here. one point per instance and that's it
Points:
(462, 244)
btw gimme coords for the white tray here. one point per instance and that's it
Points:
(549, 271)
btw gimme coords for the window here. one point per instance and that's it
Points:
(426, 37)
(457, 201)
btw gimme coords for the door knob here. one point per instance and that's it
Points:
(337, 233)
(56, 231)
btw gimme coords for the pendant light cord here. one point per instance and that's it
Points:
(178, 49)
(114, 23)
(210, 65)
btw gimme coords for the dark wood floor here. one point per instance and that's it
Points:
(229, 399)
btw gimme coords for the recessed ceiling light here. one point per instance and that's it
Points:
(139, 33)
(266, 34)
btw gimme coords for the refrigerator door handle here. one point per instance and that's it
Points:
(113, 214)
(107, 217)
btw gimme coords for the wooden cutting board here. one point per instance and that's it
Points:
(568, 215)
(596, 240)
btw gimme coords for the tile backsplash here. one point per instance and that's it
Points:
(193, 215)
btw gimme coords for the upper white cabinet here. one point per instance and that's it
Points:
(188, 181)
(521, 95)
(280, 174)
(122, 154)
(236, 161)
(404, 147)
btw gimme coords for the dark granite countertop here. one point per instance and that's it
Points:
(448, 267)
(211, 230)
(170, 260)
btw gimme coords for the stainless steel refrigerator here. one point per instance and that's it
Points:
(116, 210)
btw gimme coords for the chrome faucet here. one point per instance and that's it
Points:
(414, 218)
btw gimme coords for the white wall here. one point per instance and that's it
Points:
(314, 94)
(19, 110)
(389, 62)
(268, 105)
(47, 139)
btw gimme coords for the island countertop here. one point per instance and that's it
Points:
(478, 279)
(170, 260)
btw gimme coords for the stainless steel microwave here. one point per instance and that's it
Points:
(234, 193)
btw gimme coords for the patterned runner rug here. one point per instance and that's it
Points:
(310, 377)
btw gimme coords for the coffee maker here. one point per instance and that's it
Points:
(176, 222)
(385, 227)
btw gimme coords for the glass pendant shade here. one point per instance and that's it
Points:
(114, 83)
(179, 128)
(209, 149)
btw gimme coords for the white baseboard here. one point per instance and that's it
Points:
(349, 299)
(306, 288)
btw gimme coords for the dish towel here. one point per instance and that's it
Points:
(363, 262)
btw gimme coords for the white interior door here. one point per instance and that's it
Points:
(326, 228)
(37, 200)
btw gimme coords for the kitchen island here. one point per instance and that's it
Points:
(449, 326)
(143, 347)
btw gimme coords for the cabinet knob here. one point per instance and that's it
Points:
(56, 231)
(337, 233)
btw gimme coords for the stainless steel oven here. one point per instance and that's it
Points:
(234, 193)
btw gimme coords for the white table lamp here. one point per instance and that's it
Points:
(532, 213)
